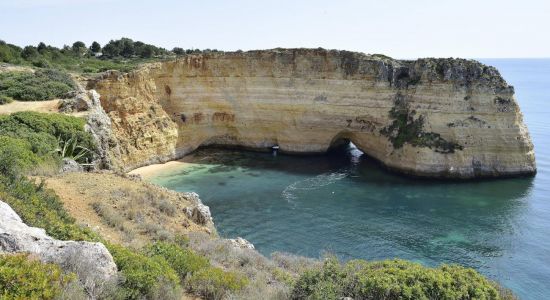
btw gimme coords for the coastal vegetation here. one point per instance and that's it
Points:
(44, 84)
(393, 279)
(22, 277)
(405, 128)
(123, 54)
(169, 264)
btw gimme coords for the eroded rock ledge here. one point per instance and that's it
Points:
(429, 117)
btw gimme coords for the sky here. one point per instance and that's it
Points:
(398, 28)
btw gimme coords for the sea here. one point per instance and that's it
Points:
(345, 203)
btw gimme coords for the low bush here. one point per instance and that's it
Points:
(44, 131)
(215, 283)
(5, 99)
(184, 261)
(41, 85)
(143, 275)
(16, 156)
(393, 279)
(24, 278)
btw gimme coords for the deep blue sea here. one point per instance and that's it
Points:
(344, 203)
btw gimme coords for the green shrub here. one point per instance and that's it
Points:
(10, 53)
(393, 279)
(44, 131)
(16, 156)
(28, 140)
(184, 261)
(143, 275)
(5, 99)
(24, 278)
(215, 283)
(320, 283)
(41, 85)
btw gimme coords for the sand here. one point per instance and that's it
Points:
(155, 169)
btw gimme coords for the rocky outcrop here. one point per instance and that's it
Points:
(85, 258)
(239, 242)
(429, 117)
(145, 134)
(99, 125)
(198, 213)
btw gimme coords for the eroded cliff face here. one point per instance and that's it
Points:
(430, 117)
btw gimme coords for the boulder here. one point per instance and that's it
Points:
(88, 260)
(80, 101)
(199, 213)
(69, 165)
(239, 242)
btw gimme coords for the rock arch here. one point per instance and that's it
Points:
(413, 116)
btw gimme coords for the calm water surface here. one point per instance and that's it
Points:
(346, 204)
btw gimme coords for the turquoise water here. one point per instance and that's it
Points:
(346, 204)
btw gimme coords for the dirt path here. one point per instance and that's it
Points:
(48, 106)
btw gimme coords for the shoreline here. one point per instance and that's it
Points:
(149, 171)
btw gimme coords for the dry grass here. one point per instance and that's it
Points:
(268, 278)
(124, 210)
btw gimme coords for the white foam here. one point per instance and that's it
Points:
(312, 183)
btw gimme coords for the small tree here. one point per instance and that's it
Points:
(127, 47)
(95, 47)
(112, 49)
(79, 47)
(178, 51)
(41, 47)
(146, 51)
(29, 52)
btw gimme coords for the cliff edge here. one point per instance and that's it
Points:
(451, 118)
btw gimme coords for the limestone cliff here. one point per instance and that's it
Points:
(429, 117)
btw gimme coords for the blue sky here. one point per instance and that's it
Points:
(401, 29)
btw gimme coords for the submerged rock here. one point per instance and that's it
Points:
(88, 260)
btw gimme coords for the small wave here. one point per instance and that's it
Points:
(312, 183)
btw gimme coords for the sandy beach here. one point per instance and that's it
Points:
(152, 170)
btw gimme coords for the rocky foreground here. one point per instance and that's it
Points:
(450, 118)
(87, 259)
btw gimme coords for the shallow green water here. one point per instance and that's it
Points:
(346, 204)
